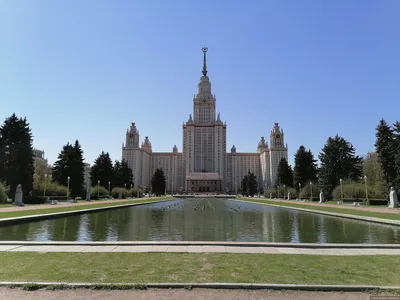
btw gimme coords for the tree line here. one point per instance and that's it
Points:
(338, 163)
(18, 166)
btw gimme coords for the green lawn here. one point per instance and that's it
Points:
(199, 268)
(60, 208)
(339, 210)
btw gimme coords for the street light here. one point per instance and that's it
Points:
(284, 191)
(98, 189)
(366, 190)
(299, 191)
(311, 191)
(341, 190)
(68, 178)
(278, 191)
(109, 189)
(44, 190)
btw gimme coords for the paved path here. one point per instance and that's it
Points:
(180, 294)
(197, 249)
(368, 208)
(67, 204)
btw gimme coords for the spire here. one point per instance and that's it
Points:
(205, 49)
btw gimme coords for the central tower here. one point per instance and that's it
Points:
(204, 140)
(204, 101)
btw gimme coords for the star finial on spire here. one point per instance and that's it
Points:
(205, 49)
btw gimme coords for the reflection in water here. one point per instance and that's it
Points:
(203, 220)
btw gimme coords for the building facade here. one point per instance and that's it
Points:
(204, 165)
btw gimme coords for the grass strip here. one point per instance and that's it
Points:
(199, 268)
(338, 210)
(57, 209)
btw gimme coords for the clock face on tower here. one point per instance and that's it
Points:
(131, 135)
(278, 136)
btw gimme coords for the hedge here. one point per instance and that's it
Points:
(356, 190)
(120, 191)
(52, 189)
(98, 192)
(3, 194)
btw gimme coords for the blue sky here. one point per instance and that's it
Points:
(86, 69)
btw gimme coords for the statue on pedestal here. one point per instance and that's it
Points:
(288, 196)
(88, 194)
(393, 202)
(18, 196)
(321, 197)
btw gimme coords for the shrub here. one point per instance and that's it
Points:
(3, 194)
(356, 191)
(306, 191)
(118, 190)
(52, 189)
(98, 192)
(135, 192)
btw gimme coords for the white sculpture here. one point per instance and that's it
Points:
(270, 195)
(288, 196)
(88, 194)
(393, 203)
(321, 197)
(18, 196)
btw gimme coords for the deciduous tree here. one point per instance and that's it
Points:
(249, 184)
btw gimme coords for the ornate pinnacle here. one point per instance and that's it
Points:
(204, 49)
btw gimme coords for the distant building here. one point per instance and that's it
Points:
(204, 165)
(38, 154)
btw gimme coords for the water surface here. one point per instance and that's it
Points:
(203, 220)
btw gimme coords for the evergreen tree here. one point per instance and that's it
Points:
(384, 145)
(338, 161)
(305, 167)
(127, 174)
(123, 174)
(249, 184)
(61, 168)
(70, 164)
(158, 182)
(285, 174)
(102, 170)
(396, 151)
(16, 155)
(77, 171)
(118, 180)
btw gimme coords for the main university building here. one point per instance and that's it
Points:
(204, 165)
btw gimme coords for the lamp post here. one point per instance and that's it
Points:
(366, 190)
(98, 189)
(278, 191)
(341, 190)
(311, 191)
(68, 178)
(109, 189)
(299, 191)
(171, 188)
(284, 191)
(44, 189)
